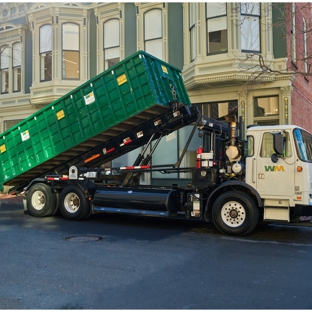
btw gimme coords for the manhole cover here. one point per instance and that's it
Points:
(83, 238)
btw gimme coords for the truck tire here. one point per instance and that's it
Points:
(41, 201)
(73, 204)
(235, 213)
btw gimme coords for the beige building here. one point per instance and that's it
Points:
(47, 49)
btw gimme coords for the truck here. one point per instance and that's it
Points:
(54, 158)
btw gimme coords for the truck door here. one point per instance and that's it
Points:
(275, 179)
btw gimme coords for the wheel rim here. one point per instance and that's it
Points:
(38, 200)
(233, 214)
(71, 202)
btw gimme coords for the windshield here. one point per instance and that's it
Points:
(303, 141)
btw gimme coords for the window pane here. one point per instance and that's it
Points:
(154, 47)
(216, 8)
(46, 66)
(111, 34)
(303, 141)
(193, 43)
(217, 35)
(250, 146)
(217, 41)
(111, 57)
(161, 158)
(5, 57)
(70, 64)
(5, 81)
(45, 38)
(250, 8)
(152, 24)
(17, 79)
(250, 34)
(17, 54)
(218, 23)
(219, 110)
(287, 145)
(10, 123)
(192, 14)
(266, 106)
(267, 146)
(189, 159)
(70, 37)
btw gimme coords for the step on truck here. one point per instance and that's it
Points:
(55, 157)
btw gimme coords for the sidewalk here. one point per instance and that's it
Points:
(5, 198)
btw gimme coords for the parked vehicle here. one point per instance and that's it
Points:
(54, 157)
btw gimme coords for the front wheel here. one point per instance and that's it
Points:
(235, 213)
(73, 204)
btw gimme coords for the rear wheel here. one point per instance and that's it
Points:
(41, 201)
(73, 204)
(235, 213)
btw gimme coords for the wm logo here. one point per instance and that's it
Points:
(274, 168)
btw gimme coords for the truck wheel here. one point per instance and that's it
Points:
(73, 204)
(41, 201)
(235, 213)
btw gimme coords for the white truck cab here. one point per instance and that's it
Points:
(279, 167)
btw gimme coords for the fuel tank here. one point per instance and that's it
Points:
(162, 202)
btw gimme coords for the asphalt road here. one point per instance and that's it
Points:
(126, 262)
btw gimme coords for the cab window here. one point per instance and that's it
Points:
(250, 146)
(267, 145)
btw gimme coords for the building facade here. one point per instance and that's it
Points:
(47, 49)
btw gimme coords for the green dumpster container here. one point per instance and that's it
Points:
(123, 96)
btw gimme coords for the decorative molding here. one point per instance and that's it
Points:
(285, 99)
(286, 91)
(242, 103)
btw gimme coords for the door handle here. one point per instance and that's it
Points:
(253, 170)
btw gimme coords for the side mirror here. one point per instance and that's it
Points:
(278, 143)
(274, 158)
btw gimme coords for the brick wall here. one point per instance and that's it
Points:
(301, 108)
(301, 97)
